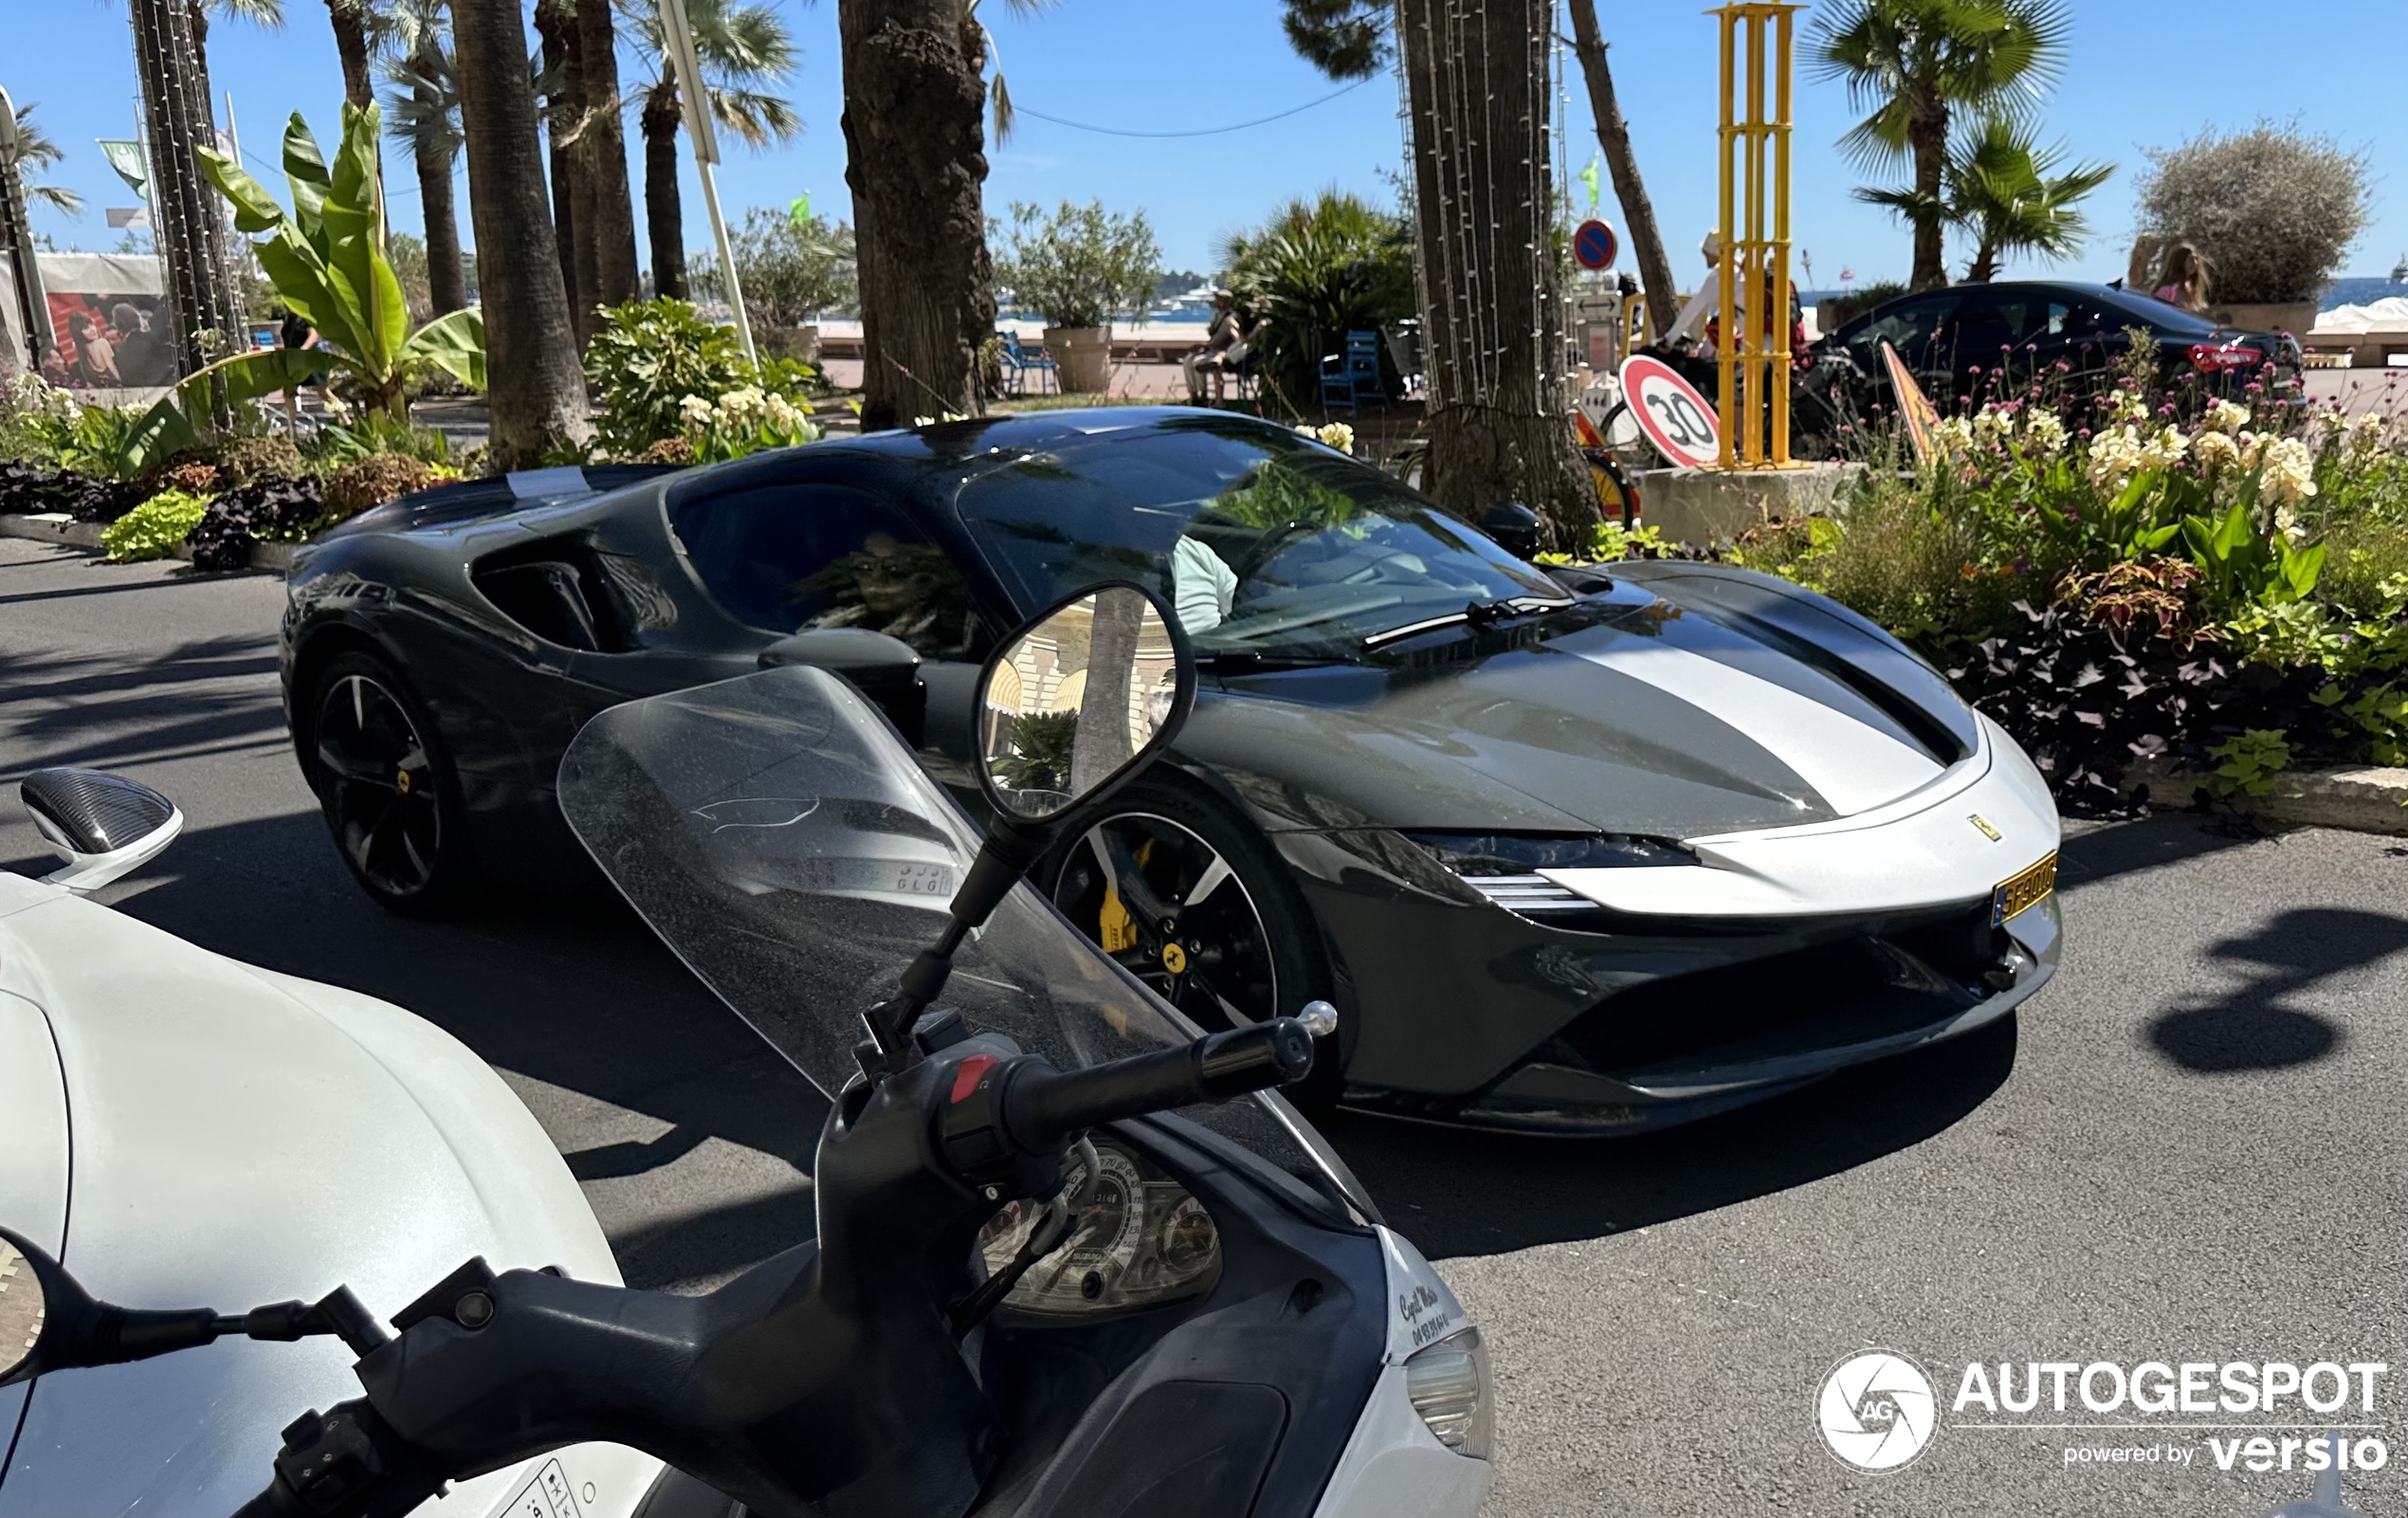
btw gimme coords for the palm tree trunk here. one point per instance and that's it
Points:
(536, 393)
(447, 282)
(1928, 138)
(611, 231)
(1985, 263)
(556, 22)
(663, 216)
(350, 18)
(191, 243)
(1476, 85)
(915, 140)
(1613, 136)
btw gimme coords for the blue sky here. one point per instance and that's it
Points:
(2141, 75)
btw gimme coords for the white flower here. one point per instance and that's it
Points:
(2165, 449)
(2225, 417)
(2289, 473)
(2215, 451)
(696, 410)
(2128, 406)
(2043, 432)
(1339, 435)
(2115, 452)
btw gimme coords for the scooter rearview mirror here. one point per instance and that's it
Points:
(1078, 700)
(48, 1322)
(1070, 707)
(23, 1312)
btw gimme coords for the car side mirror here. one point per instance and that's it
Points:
(886, 670)
(1514, 528)
(104, 826)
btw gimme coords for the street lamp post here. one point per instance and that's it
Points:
(679, 37)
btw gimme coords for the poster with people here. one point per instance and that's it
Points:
(112, 342)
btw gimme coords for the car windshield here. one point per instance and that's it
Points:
(1262, 540)
(776, 834)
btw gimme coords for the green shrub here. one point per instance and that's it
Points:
(30, 408)
(649, 357)
(373, 436)
(153, 529)
(1318, 270)
(1079, 264)
(365, 483)
(251, 460)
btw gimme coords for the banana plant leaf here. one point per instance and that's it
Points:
(455, 343)
(249, 376)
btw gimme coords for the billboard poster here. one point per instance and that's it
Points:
(108, 342)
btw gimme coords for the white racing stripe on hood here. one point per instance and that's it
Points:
(1851, 766)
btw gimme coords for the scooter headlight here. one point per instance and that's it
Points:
(1448, 1384)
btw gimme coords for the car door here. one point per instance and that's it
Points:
(1985, 336)
(785, 556)
(2085, 334)
(1915, 328)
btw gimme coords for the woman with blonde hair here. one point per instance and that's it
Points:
(2184, 279)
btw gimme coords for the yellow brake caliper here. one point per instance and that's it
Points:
(1117, 929)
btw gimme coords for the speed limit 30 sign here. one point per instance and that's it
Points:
(1678, 420)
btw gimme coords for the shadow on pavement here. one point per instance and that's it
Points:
(574, 993)
(2253, 1028)
(2105, 851)
(1458, 1193)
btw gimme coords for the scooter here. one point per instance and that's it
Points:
(1072, 1255)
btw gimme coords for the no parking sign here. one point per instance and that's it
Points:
(1593, 245)
(1674, 416)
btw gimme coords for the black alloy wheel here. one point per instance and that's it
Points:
(1192, 903)
(391, 801)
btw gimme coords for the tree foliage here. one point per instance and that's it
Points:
(1915, 66)
(791, 273)
(1317, 270)
(2274, 207)
(1079, 265)
(1345, 39)
(327, 260)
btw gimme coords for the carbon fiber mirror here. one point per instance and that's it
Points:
(102, 825)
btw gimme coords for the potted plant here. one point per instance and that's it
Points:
(1076, 267)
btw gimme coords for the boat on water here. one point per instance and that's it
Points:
(2399, 270)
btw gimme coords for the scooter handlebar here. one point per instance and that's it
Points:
(1043, 1107)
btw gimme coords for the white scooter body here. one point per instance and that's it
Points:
(181, 1129)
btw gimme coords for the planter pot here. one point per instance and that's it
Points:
(807, 343)
(2294, 317)
(1084, 355)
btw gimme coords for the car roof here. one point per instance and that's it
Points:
(1016, 432)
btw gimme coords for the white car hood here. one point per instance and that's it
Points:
(208, 1134)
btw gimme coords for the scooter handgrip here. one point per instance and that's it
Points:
(1044, 1106)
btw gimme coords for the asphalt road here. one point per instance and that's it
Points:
(2190, 1149)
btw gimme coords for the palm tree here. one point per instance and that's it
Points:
(2006, 191)
(356, 24)
(36, 151)
(916, 161)
(609, 222)
(740, 44)
(426, 115)
(1914, 65)
(535, 388)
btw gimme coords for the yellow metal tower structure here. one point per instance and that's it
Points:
(1753, 349)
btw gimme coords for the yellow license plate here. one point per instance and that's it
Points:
(2021, 892)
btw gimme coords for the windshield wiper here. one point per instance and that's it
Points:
(1479, 614)
(1249, 661)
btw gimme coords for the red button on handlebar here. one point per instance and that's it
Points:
(965, 1079)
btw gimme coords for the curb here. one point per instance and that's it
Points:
(2368, 799)
(58, 527)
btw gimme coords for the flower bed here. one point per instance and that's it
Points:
(2134, 576)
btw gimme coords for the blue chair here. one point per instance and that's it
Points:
(1347, 377)
(1019, 361)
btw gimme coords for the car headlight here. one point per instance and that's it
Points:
(1448, 1384)
(1503, 867)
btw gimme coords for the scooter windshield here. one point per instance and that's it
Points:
(784, 843)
